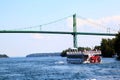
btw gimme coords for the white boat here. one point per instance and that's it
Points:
(77, 57)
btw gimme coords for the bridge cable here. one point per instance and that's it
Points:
(44, 24)
(94, 23)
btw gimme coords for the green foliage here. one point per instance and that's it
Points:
(64, 52)
(117, 44)
(110, 47)
(97, 48)
(107, 47)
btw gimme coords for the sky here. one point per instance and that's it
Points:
(92, 16)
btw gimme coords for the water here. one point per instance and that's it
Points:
(56, 68)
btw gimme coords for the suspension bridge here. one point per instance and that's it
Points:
(74, 33)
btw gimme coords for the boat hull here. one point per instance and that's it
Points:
(81, 58)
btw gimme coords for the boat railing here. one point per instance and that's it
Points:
(75, 53)
(92, 52)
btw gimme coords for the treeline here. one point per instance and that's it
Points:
(111, 47)
(43, 54)
(108, 47)
(3, 56)
(117, 45)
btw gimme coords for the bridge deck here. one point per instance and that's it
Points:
(59, 32)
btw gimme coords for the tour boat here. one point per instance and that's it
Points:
(75, 56)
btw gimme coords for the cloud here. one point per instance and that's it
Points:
(103, 22)
(109, 20)
(88, 21)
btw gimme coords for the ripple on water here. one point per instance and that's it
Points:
(56, 68)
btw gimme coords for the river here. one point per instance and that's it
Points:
(56, 68)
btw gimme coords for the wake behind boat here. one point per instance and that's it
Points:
(75, 56)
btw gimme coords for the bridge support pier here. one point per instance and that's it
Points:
(74, 32)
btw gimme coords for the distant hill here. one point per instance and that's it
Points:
(3, 56)
(43, 54)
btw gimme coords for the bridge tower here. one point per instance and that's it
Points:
(74, 32)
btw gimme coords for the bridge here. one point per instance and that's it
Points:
(74, 32)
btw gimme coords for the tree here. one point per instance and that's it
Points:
(64, 52)
(107, 47)
(97, 48)
(117, 44)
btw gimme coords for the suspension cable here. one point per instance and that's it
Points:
(94, 23)
(44, 24)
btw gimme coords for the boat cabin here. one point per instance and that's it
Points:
(75, 56)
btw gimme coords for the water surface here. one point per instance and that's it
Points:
(56, 68)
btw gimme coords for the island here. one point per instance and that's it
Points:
(3, 56)
(43, 54)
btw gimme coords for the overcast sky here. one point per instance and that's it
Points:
(19, 14)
